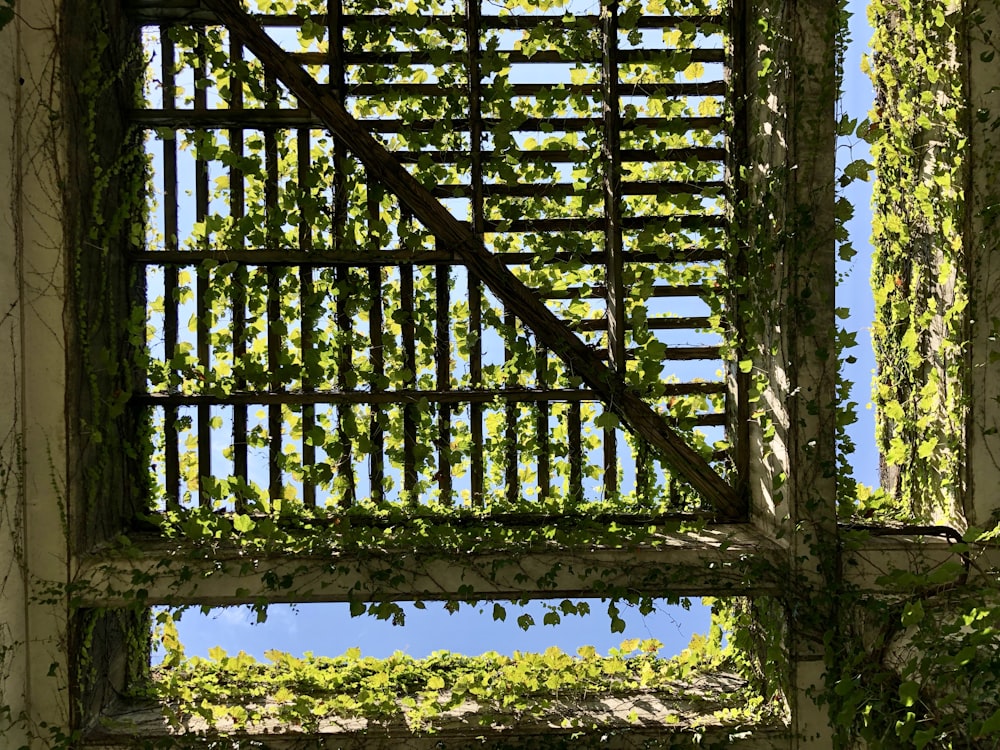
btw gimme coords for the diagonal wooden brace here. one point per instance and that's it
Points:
(549, 330)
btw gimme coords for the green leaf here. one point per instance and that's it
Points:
(913, 613)
(909, 692)
(991, 726)
(243, 523)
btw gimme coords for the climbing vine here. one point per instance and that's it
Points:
(921, 669)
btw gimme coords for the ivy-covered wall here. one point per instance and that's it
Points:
(920, 265)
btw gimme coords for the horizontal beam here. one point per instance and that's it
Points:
(600, 727)
(298, 117)
(671, 717)
(872, 564)
(356, 258)
(191, 12)
(394, 397)
(550, 738)
(725, 559)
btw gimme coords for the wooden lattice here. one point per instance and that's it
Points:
(465, 320)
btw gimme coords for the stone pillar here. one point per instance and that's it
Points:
(787, 222)
(982, 241)
(33, 449)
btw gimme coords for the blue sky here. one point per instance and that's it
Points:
(328, 629)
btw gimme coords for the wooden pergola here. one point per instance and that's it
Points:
(449, 257)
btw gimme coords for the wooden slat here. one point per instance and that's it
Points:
(170, 276)
(653, 324)
(237, 209)
(275, 347)
(307, 316)
(297, 118)
(389, 91)
(408, 331)
(193, 13)
(512, 57)
(565, 189)
(345, 418)
(399, 256)
(383, 167)
(562, 155)
(376, 465)
(473, 43)
(377, 396)
(542, 424)
(203, 283)
(611, 167)
(442, 355)
(511, 411)
(680, 221)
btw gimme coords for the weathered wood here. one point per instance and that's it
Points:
(376, 430)
(613, 721)
(192, 13)
(425, 57)
(373, 256)
(455, 396)
(237, 209)
(170, 275)
(476, 125)
(719, 560)
(614, 264)
(391, 90)
(580, 359)
(202, 283)
(298, 117)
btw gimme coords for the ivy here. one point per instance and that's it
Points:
(237, 693)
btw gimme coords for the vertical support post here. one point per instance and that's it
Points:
(982, 235)
(788, 213)
(36, 468)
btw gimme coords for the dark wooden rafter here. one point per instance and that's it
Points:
(473, 30)
(170, 275)
(469, 249)
(613, 238)
(237, 209)
(202, 311)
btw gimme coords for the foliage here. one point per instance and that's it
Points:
(6, 12)
(237, 691)
(927, 676)
(918, 131)
(421, 328)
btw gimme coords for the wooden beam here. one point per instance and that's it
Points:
(579, 358)
(719, 560)
(609, 722)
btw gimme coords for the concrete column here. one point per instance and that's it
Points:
(982, 241)
(788, 221)
(13, 599)
(33, 552)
